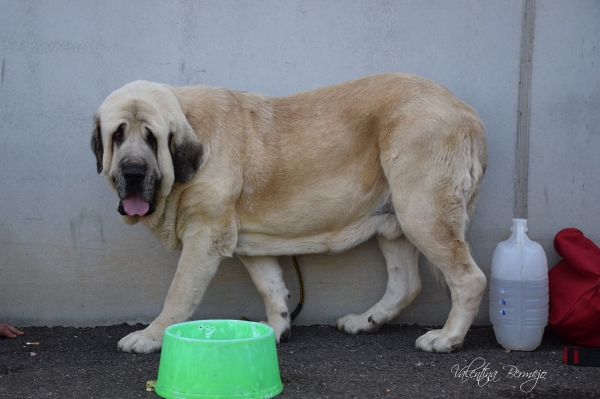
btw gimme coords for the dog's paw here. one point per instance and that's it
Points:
(142, 341)
(282, 329)
(357, 323)
(439, 341)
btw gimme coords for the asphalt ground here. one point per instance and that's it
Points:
(318, 362)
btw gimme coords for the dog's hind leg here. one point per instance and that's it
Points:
(447, 250)
(267, 275)
(435, 221)
(403, 286)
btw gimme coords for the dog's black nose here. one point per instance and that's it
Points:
(134, 172)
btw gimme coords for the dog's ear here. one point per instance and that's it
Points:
(186, 154)
(97, 147)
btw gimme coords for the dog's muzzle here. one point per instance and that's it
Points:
(136, 201)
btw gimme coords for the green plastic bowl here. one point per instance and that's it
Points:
(218, 359)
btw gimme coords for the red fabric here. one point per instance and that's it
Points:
(574, 285)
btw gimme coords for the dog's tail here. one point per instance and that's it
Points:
(475, 159)
(479, 158)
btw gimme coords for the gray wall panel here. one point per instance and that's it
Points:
(564, 182)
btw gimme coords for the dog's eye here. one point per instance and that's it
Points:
(151, 140)
(150, 136)
(118, 135)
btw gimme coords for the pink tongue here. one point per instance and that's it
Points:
(135, 205)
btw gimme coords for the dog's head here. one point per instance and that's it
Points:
(144, 143)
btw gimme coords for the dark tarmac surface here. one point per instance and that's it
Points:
(319, 362)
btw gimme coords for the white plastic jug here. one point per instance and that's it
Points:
(519, 290)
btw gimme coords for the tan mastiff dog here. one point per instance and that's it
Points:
(217, 173)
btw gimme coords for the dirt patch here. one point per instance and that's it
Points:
(319, 362)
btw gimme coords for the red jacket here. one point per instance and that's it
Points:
(574, 285)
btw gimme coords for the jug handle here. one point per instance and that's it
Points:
(521, 233)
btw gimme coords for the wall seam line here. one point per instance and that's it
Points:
(522, 149)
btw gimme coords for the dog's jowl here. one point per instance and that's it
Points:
(218, 173)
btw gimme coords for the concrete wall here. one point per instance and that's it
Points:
(65, 257)
(564, 166)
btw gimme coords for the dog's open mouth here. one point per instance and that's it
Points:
(135, 205)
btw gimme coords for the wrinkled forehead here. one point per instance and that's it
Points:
(138, 102)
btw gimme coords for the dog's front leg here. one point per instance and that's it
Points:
(267, 276)
(196, 268)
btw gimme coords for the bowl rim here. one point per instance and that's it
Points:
(269, 331)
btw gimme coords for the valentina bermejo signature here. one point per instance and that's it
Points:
(479, 370)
